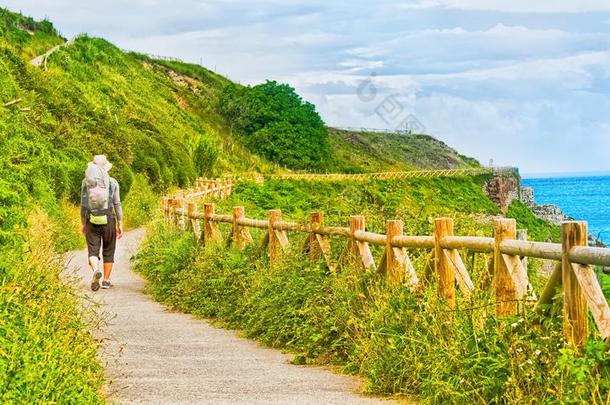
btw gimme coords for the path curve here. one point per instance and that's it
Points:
(156, 356)
(40, 59)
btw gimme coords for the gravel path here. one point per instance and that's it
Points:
(161, 357)
(40, 59)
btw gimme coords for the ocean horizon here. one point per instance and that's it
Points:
(582, 196)
(561, 175)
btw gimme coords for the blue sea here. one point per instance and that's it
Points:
(583, 198)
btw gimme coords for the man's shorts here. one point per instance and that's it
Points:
(102, 237)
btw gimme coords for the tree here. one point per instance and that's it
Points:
(274, 121)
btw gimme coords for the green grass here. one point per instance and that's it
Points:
(538, 229)
(415, 201)
(401, 342)
(357, 152)
(31, 38)
(47, 354)
(158, 122)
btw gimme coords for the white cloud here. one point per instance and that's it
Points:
(519, 6)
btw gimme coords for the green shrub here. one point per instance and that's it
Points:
(205, 156)
(141, 205)
(275, 122)
(538, 229)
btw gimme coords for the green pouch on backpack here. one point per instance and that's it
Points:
(98, 219)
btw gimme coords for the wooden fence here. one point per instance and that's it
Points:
(202, 188)
(476, 171)
(431, 173)
(573, 271)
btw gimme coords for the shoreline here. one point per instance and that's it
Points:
(553, 212)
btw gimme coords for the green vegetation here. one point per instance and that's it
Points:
(29, 37)
(93, 98)
(359, 152)
(415, 201)
(401, 342)
(538, 229)
(275, 122)
(47, 354)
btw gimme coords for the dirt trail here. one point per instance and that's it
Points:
(162, 357)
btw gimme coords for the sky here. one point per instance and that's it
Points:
(523, 82)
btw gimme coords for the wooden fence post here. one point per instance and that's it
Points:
(575, 323)
(210, 232)
(171, 215)
(218, 187)
(165, 205)
(225, 189)
(315, 244)
(179, 213)
(357, 252)
(277, 240)
(506, 294)
(240, 235)
(191, 207)
(510, 277)
(395, 263)
(446, 276)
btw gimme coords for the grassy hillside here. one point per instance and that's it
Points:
(374, 152)
(29, 37)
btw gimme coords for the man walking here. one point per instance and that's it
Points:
(101, 218)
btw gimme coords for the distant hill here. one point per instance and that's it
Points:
(357, 151)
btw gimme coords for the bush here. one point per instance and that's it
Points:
(205, 157)
(141, 205)
(275, 122)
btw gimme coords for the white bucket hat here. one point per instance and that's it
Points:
(102, 162)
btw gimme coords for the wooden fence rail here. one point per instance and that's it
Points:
(574, 272)
(476, 171)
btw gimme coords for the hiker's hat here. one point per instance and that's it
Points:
(102, 162)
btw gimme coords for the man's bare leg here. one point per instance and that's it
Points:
(107, 271)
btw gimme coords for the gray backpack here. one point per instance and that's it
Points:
(97, 183)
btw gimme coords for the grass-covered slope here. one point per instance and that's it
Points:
(417, 202)
(92, 98)
(243, 111)
(31, 38)
(361, 151)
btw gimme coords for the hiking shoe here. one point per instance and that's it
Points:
(95, 282)
(106, 284)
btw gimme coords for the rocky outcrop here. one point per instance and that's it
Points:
(551, 213)
(548, 212)
(503, 189)
(527, 197)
